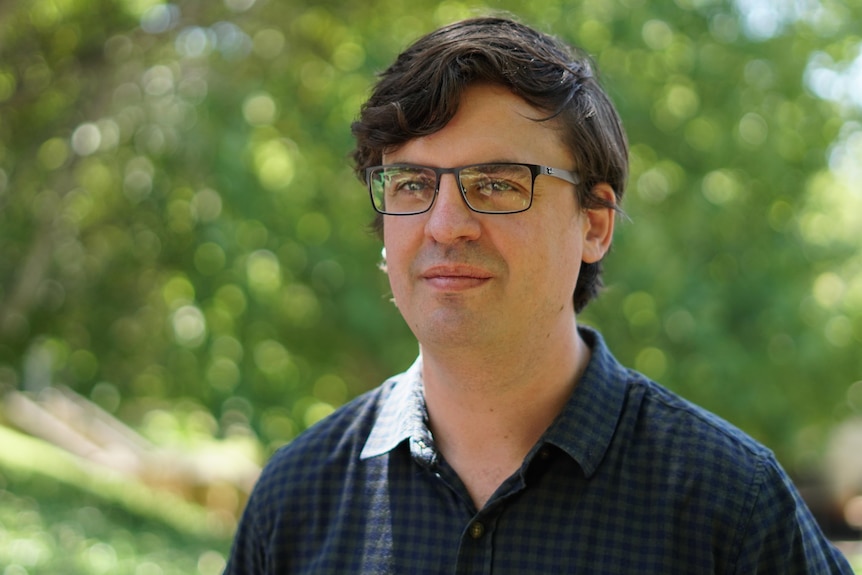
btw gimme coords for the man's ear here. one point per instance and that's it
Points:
(599, 225)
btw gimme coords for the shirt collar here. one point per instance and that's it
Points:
(583, 429)
(402, 415)
(590, 418)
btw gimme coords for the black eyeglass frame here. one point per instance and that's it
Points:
(536, 170)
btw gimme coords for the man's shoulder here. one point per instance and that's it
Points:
(718, 481)
(659, 419)
(684, 455)
(668, 419)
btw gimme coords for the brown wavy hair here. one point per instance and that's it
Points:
(420, 92)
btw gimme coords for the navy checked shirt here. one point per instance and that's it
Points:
(629, 478)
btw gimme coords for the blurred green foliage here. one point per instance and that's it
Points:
(179, 219)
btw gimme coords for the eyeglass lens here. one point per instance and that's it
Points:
(493, 188)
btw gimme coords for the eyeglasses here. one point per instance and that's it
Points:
(503, 188)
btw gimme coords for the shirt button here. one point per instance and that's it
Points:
(477, 530)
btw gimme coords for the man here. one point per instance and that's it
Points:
(515, 443)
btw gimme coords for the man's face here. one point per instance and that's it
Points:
(462, 278)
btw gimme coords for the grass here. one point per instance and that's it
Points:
(59, 518)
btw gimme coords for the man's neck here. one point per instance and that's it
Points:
(488, 409)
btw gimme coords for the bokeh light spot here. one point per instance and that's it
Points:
(268, 43)
(232, 298)
(839, 331)
(657, 34)
(263, 271)
(653, 186)
(194, 42)
(313, 228)
(206, 205)
(753, 129)
(212, 562)
(158, 80)
(86, 139)
(274, 165)
(348, 56)
(316, 412)
(701, 134)
(53, 153)
(160, 18)
(828, 289)
(652, 362)
(223, 374)
(271, 357)
(189, 326)
(331, 389)
(239, 5)
(178, 291)
(682, 101)
(7, 86)
(209, 258)
(721, 187)
(260, 109)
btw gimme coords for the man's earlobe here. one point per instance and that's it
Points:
(382, 265)
(599, 227)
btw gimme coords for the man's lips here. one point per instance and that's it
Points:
(455, 277)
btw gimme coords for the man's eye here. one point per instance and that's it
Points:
(411, 185)
(490, 187)
(407, 183)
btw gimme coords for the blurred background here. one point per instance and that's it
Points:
(187, 279)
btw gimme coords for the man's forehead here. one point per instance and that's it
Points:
(494, 117)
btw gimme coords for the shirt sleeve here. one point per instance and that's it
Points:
(247, 556)
(781, 536)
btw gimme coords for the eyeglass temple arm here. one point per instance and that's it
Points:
(564, 175)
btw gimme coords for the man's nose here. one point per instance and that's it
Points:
(450, 218)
